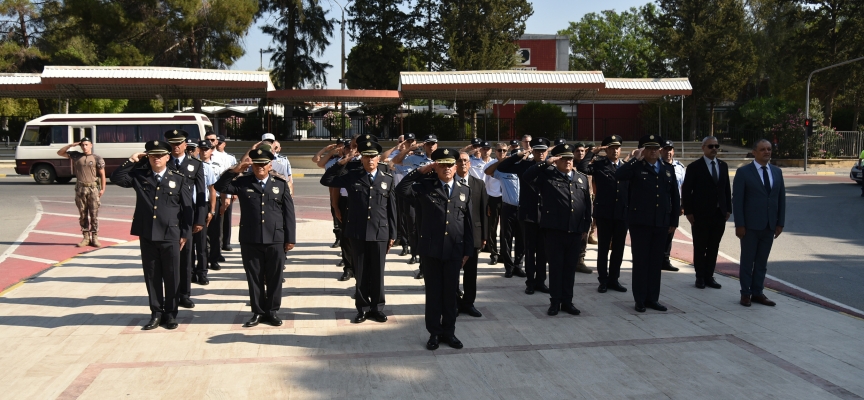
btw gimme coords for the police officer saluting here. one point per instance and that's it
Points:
(267, 230)
(446, 240)
(653, 213)
(565, 218)
(370, 224)
(162, 222)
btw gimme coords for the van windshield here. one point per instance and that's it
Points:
(35, 135)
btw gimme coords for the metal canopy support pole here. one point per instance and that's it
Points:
(682, 126)
(660, 118)
(593, 127)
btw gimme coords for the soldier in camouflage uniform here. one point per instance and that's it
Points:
(87, 167)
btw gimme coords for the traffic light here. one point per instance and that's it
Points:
(808, 126)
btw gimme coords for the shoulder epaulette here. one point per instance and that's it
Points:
(196, 159)
(580, 173)
(387, 173)
(278, 176)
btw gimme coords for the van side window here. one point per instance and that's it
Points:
(116, 133)
(35, 135)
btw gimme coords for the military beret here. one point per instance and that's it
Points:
(650, 141)
(613, 140)
(578, 145)
(539, 143)
(157, 147)
(176, 136)
(85, 139)
(368, 148)
(261, 156)
(445, 156)
(563, 150)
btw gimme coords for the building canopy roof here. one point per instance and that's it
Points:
(371, 97)
(500, 85)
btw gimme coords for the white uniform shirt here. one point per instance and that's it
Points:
(493, 185)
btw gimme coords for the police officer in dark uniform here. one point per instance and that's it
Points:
(265, 198)
(446, 240)
(653, 212)
(610, 211)
(565, 218)
(370, 224)
(479, 203)
(529, 214)
(192, 169)
(162, 221)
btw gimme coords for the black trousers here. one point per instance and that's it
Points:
(214, 233)
(469, 281)
(442, 289)
(369, 274)
(563, 252)
(344, 242)
(535, 254)
(707, 232)
(201, 246)
(612, 234)
(263, 265)
(226, 226)
(493, 218)
(511, 236)
(412, 221)
(404, 219)
(161, 263)
(184, 286)
(337, 226)
(647, 244)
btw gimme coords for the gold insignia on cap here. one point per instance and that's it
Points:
(446, 151)
(368, 144)
(175, 131)
(260, 151)
(566, 147)
(155, 142)
(651, 137)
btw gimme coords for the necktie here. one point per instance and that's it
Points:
(463, 181)
(447, 190)
(714, 172)
(262, 184)
(177, 163)
(371, 178)
(765, 180)
(158, 179)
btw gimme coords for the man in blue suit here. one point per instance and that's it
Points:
(759, 207)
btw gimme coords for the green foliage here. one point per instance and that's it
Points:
(541, 119)
(300, 32)
(426, 123)
(762, 113)
(97, 106)
(482, 34)
(19, 107)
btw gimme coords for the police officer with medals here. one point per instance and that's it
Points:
(446, 240)
(370, 224)
(265, 198)
(162, 221)
(610, 211)
(193, 170)
(653, 212)
(565, 218)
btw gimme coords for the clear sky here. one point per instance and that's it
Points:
(549, 16)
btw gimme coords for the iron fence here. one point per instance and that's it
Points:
(838, 144)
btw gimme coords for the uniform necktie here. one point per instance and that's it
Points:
(447, 190)
(262, 184)
(371, 178)
(714, 172)
(463, 181)
(765, 180)
(177, 163)
(158, 179)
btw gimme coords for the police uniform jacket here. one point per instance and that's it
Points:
(266, 215)
(654, 198)
(163, 210)
(479, 202)
(529, 199)
(611, 195)
(193, 169)
(446, 231)
(371, 205)
(565, 203)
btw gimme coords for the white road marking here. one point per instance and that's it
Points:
(681, 241)
(25, 232)
(72, 202)
(76, 216)
(34, 259)
(77, 236)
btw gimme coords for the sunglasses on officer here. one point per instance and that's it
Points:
(712, 146)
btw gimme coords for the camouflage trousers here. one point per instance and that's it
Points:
(87, 200)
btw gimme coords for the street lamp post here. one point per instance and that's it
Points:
(807, 104)
(342, 81)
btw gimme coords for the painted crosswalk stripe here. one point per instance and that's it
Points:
(78, 235)
(34, 259)
(76, 217)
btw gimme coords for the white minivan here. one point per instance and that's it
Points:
(115, 137)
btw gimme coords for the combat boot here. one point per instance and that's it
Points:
(85, 241)
(95, 241)
(581, 267)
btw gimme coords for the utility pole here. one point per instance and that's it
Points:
(807, 104)
(343, 81)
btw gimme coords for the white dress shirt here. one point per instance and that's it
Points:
(770, 174)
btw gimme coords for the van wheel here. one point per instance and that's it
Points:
(44, 175)
(64, 180)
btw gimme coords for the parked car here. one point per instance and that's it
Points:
(855, 173)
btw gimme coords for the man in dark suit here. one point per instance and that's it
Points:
(654, 208)
(370, 224)
(610, 211)
(479, 201)
(706, 197)
(192, 169)
(262, 244)
(565, 217)
(162, 221)
(446, 240)
(759, 206)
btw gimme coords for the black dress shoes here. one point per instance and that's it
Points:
(553, 309)
(616, 287)
(341, 263)
(413, 260)
(640, 306)
(655, 306)
(432, 344)
(359, 318)
(336, 244)
(220, 259)
(519, 272)
(227, 248)
(508, 273)
(347, 275)
(215, 266)
(153, 324)
(419, 274)
(493, 260)
(376, 316)
(529, 290)
(451, 340)
(274, 320)
(668, 267)
(700, 283)
(254, 321)
(569, 308)
(404, 251)
(541, 288)
(194, 278)
(169, 322)
(470, 310)
(202, 280)
(185, 302)
(602, 288)
(710, 282)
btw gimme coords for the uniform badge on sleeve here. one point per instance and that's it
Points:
(462, 196)
(190, 168)
(384, 185)
(579, 180)
(669, 174)
(275, 190)
(171, 184)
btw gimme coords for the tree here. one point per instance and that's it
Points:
(380, 29)
(705, 40)
(617, 44)
(541, 119)
(300, 33)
